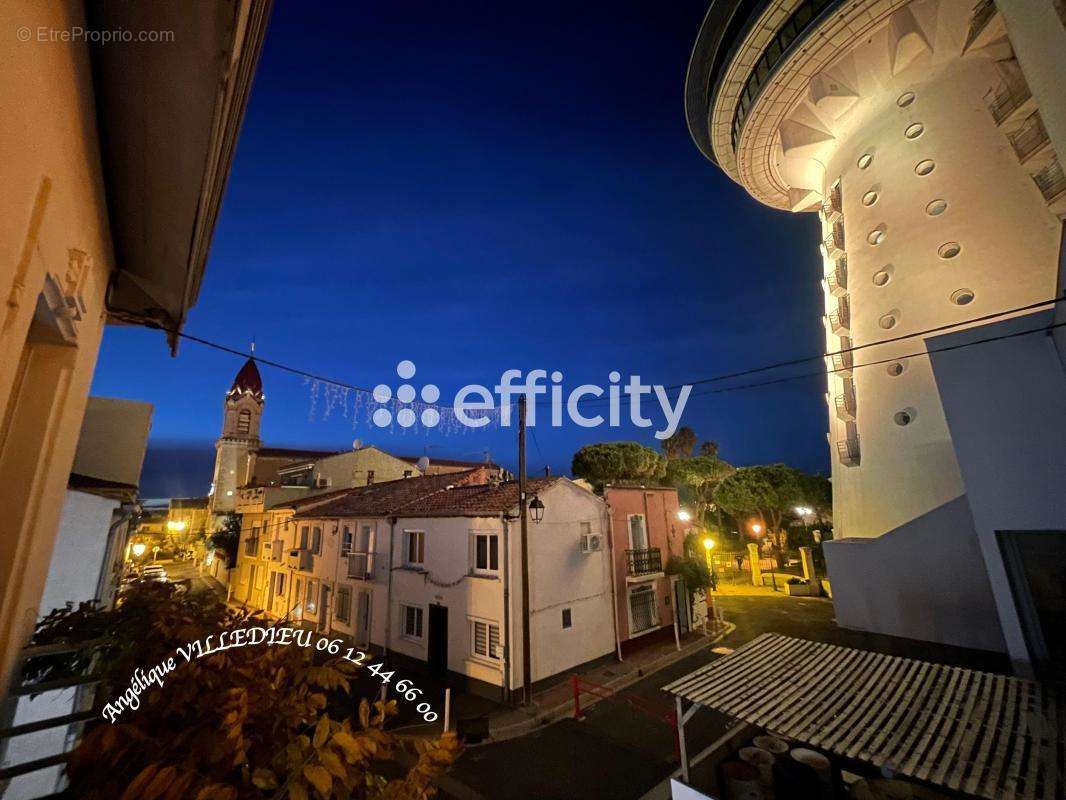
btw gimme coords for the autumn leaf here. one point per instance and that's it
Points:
(263, 778)
(346, 742)
(319, 778)
(321, 732)
(333, 763)
(364, 713)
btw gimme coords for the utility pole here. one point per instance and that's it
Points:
(527, 684)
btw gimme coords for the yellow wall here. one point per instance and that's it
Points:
(54, 237)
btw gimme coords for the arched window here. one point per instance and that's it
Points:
(244, 421)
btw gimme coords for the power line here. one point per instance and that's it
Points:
(820, 373)
(696, 382)
(902, 337)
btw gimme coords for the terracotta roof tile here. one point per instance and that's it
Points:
(455, 494)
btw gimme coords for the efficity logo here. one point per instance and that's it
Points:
(476, 405)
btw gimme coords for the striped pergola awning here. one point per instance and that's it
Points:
(985, 735)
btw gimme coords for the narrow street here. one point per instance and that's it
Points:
(617, 751)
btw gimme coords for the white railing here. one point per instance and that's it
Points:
(360, 565)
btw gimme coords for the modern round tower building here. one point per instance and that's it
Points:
(918, 134)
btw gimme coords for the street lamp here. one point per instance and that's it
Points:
(708, 546)
(176, 525)
(683, 515)
(756, 528)
(138, 549)
(536, 508)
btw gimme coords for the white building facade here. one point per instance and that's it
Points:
(912, 131)
(428, 570)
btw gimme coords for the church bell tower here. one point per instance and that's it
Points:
(235, 448)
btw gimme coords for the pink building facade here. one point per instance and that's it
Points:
(646, 530)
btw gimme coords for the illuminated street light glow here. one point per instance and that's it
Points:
(138, 549)
(683, 515)
(708, 543)
(175, 525)
(756, 528)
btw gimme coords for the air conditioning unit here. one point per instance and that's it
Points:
(591, 543)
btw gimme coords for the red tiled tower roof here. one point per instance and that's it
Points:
(248, 380)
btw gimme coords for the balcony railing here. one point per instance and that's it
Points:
(1030, 138)
(361, 565)
(837, 280)
(843, 362)
(982, 15)
(643, 562)
(845, 403)
(1011, 95)
(1051, 181)
(840, 320)
(251, 545)
(833, 244)
(832, 206)
(848, 451)
(301, 560)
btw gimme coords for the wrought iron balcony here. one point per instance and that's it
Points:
(837, 280)
(301, 560)
(840, 320)
(361, 565)
(643, 562)
(833, 244)
(983, 13)
(845, 402)
(1029, 139)
(843, 362)
(1051, 181)
(833, 206)
(848, 451)
(1012, 93)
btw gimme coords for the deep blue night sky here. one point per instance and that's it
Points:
(476, 188)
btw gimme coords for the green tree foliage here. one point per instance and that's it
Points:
(768, 492)
(228, 538)
(693, 571)
(698, 477)
(616, 462)
(245, 724)
(816, 491)
(681, 444)
(709, 448)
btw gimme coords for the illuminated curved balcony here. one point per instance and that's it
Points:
(837, 280)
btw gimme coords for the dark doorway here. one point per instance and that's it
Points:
(438, 640)
(1036, 568)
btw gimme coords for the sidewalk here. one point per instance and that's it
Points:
(557, 701)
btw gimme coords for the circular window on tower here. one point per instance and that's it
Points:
(914, 131)
(869, 198)
(949, 250)
(904, 417)
(936, 207)
(889, 320)
(905, 99)
(876, 236)
(865, 160)
(924, 167)
(882, 276)
(962, 297)
(895, 369)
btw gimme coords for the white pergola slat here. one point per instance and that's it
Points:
(985, 735)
